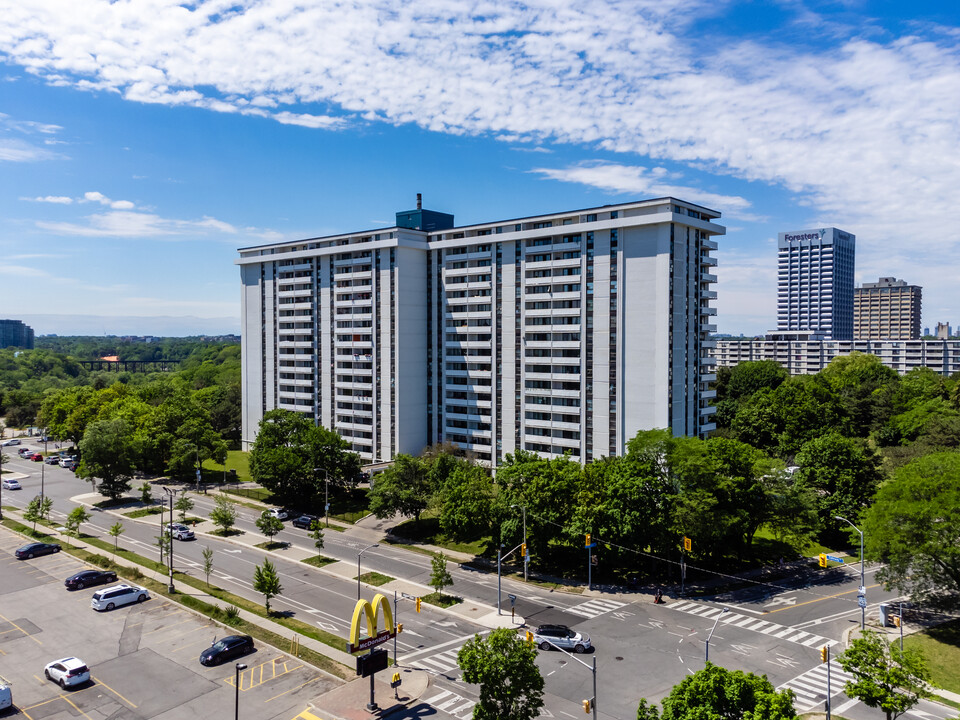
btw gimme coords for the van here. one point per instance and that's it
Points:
(6, 694)
(118, 595)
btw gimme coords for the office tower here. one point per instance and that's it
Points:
(566, 332)
(815, 283)
(887, 310)
(13, 333)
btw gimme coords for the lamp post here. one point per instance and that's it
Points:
(863, 588)
(706, 647)
(326, 495)
(236, 699)
(170, 492)
(370, 547)
(526, 556)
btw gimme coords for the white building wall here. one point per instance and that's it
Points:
(410, 339)
(251, 352)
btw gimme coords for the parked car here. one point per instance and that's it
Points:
(51, 460)
(25, 451)
(67, 672)
(37, 457)
(549, 636)
(180, 532)
(279, 513)
(10, 484)
(227, 648)
(304, 521)
(89, 578)
(118, 595)
(66, 461)
(11, 441)
(32, 550)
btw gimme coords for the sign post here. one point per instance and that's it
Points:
(376, 660)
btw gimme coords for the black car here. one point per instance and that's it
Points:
(226, 648)
(305, 521)
(35, 550)
(89, 578)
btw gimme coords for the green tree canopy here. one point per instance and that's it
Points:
(266, 581)
(884, 676)
(914, 527)
(403, 488)
(465, 500)
(505, 668)
(108, 453)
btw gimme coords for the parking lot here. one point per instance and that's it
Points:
(143, 658)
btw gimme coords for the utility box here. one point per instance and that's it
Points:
(885, 615)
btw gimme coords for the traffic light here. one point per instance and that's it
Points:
(529, 637)
(896, 621)
(523, 550)
(418, 604)
(587, 707)
(586, 542)
(823, 559)
(399, 628)
(824, 653)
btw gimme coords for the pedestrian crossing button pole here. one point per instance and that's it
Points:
(825, 658)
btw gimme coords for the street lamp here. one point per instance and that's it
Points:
(706, 647)
(236, 699)
(170, 492)
(863, 588)
(326, 495)
(526, 556)
(358, 565)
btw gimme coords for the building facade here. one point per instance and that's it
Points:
(815, 282)
(13, 333)
(887, 310)
(566, 332)
(807, 356)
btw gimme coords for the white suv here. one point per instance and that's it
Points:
(180, 531)
(67, 672)
(117, 595)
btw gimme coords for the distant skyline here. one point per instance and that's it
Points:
(137, 156)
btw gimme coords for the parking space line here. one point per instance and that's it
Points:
(292, 689)
(167, 627)
(248, 674)
(76, 707)
(21, 630)
(101, 682)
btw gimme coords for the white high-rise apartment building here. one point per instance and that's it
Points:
(566, 332)
(815, 282)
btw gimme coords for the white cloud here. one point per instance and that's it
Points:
(104, 200)
(55, 199)
(126, 224)
(12, 150)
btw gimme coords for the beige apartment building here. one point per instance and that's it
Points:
(887, 310)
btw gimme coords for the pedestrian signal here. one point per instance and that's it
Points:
(824, 652)
(399, 628)
(823, 559)
(418, 604)
(587, 707)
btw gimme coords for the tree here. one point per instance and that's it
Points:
(316, 532)
(440, 577)
(269, 525)
(31, 513)
(266, 581)
(714, 693)
(223, 515)
(207, 562)
(884, 676)
(145, 494)
(107, 452)
(163, 542)
(913, 527)
(505, 668)
(75, 519)
(404, 488)
(184, 505)
(466, 498)
(115, 531)
(46, 502)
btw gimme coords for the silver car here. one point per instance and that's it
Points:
(560, 636)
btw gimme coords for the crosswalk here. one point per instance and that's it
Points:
(442, 662)
(751, 622)
(452, 704)
(811, 687)
(596, 607)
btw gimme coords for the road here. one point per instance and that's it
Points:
(642, 650)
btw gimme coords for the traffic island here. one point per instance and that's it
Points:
(349, 701)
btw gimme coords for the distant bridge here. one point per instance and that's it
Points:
(131, 365)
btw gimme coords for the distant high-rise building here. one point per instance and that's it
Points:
(943, 331)
(815, 282)
(13, 333)
(887, 310)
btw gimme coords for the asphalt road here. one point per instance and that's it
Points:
(642, 650)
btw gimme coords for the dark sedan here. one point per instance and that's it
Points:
(227, 648)
(35, 550)
(304, 521)
(89, 578)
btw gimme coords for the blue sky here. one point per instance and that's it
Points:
(142, 143)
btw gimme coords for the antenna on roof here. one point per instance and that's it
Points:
(419, 201)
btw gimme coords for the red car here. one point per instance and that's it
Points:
(37, 457)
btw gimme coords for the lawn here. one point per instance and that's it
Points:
(427, 531)
(236, 460)
(941, 646)
(376, 579)
(143, 512)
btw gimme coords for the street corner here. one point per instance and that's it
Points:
(349, 701)
(492, 620)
